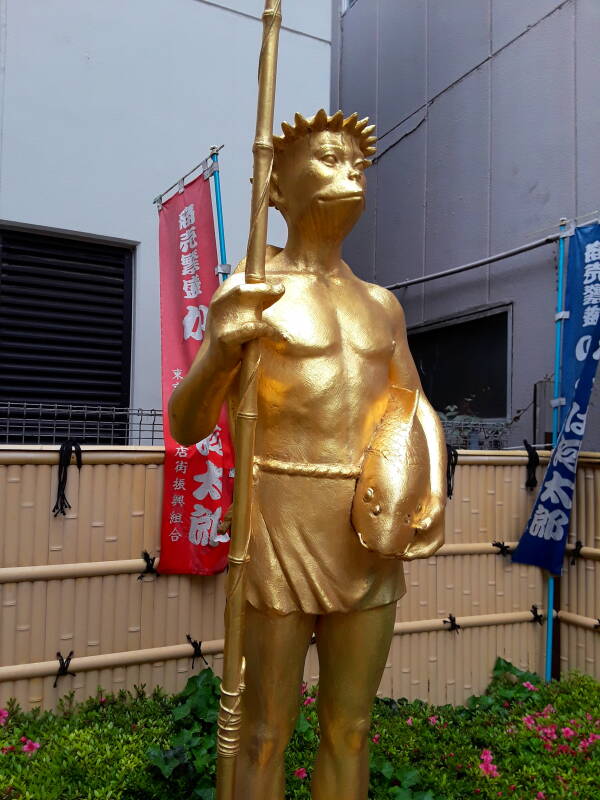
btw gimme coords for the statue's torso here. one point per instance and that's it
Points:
(323, 389)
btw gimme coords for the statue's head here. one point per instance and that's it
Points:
(318, 180)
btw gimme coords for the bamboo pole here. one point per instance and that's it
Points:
(42, 669)
(232, 685)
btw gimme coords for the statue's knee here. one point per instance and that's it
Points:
(346, 734)
(266, 744)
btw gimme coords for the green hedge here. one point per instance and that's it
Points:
(522, 740)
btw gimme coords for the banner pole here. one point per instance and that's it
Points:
(214, 154)
(556, 419)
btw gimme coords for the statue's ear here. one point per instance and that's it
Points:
(275, 196)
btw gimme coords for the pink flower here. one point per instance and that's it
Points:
(3, 716)
(530, 686)
(409, 721)
(487, 766)
(29, 746)
(300, 773)
(568, 733)
(376, 738)
(433, 720)
(309, 701)
(529, 721)
(303, 687)
(540, 796)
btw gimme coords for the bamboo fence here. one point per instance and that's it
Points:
(72, 584)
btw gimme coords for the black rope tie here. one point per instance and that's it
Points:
(503, 548)
(533, 462)
(197, 647)
(451, 468)
(576, 552)
(536, 616)
(451, 621)
(63, 666)
(150, 569)
(64, 459)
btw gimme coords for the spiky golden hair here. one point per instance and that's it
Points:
(358, 128)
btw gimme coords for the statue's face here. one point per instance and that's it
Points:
(321, 184)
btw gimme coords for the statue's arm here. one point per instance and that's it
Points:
(404, 373)
(234, 318)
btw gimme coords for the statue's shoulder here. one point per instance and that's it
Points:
(238, 276)
(386, 299)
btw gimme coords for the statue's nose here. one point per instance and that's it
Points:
(354, 174)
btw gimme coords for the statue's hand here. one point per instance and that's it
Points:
(429, 524)
(431, 512)
(234, 318)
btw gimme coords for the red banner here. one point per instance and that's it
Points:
(198, 486)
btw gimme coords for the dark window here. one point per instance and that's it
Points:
(464, 365)
(65, 321)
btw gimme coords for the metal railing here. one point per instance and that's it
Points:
(52, 423)
(476, 434)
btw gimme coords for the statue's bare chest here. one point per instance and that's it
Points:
(337, 319)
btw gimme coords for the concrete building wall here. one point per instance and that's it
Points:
(104, 105)
(488, 118)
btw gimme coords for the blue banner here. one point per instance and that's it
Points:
(545, 537)
(582, 300)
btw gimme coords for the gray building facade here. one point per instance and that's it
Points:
(488, 116)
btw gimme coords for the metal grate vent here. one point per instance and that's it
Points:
(65, 320)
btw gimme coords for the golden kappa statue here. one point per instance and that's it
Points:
(349, 462)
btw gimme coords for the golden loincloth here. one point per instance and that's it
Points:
(304, 552)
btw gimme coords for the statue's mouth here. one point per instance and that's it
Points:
(334, 197)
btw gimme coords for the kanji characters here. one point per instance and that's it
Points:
(591, 314)
(188, 240)
(558, 490)
(181, 466)
(181, 451)
(194, 322)
(591, 294)
(187, 217)
(204, 527)
(189, 263)
(209, 482)
(549, 524)
(175, 535)
(591, 273)
(177, 500)
(212, 443)
(178, 484)
(175, 518)
(192, 287)
(566, 453)
(592, 251)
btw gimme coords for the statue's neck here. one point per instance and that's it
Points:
(311, 254)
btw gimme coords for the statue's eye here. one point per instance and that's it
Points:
(329, 158)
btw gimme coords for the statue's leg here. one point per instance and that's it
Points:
(353, 649)
(275, 651)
